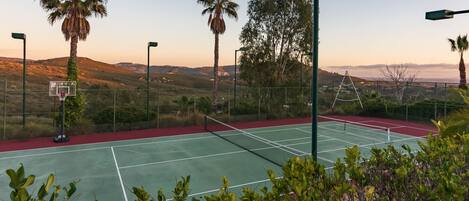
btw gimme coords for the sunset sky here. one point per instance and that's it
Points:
(360, 32)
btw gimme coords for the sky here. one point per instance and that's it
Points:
(359, 32)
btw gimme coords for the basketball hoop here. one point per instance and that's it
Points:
(62, 89)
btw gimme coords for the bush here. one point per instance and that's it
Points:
(457, 122)
(21, 185)
(83, 126)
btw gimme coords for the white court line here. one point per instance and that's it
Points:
(219, 154)
(398, 127)
(235, 186)
(333, 138)
(367, 145)
(119, 173)
(369, 138)
(412, 127)
(373, 131)
(53, 153)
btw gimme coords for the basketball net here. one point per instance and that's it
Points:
(62, 95)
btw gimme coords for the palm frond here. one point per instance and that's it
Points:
(216, 9)
(74, 14)
(453, 44)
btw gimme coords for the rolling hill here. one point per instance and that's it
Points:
(121, 75)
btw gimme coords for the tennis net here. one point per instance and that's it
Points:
(269, 150)
(373, 132)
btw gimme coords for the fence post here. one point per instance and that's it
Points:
(446, 100)
(157, 107)
(435, 95)
(286, 95)
(407, 112)
(5, 109)
(229, 110)
(195, 105)
(258, 103)
(377, 86)
(114, 102)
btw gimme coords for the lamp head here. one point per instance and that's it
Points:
(153, 44)
(20, 36)
(439, 15)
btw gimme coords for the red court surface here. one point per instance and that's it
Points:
(398, 126)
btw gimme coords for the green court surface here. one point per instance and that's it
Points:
(108, 171)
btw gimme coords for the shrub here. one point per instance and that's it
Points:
(20, 185)
(457, 122)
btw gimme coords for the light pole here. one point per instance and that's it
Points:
(314, 82)
(443, 14)
(236, 73)
(22, 36)
(150, 45)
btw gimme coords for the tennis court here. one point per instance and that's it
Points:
(107, 171)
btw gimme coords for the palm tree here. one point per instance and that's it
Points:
(460, 45)
(216, 9)
(75, 25)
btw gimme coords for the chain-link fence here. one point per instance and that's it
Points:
(114, 110)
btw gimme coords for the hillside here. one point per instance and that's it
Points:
(40, 72)
(122, 75)
(166, 69)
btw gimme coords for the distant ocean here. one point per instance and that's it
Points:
(441, 80)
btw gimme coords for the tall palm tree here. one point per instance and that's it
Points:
(75, 25)
(460, 45)
(216, 9)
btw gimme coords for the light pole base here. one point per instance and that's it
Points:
(61, 138)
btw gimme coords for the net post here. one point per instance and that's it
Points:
(388, 130)
(5, 91)
(345, 126)
(114, 103)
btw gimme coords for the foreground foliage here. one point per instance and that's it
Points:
(439, 171)
(21, 187)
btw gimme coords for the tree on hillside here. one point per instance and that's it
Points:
(276, 37)
(460, 45)
(217, 9)
(75, 27)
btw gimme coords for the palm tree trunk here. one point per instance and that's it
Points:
(215, 71)
(462, 73)
(72, 72)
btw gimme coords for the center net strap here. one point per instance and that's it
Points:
(269, 150)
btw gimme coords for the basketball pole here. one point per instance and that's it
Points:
(314, 82)
(62, 133)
